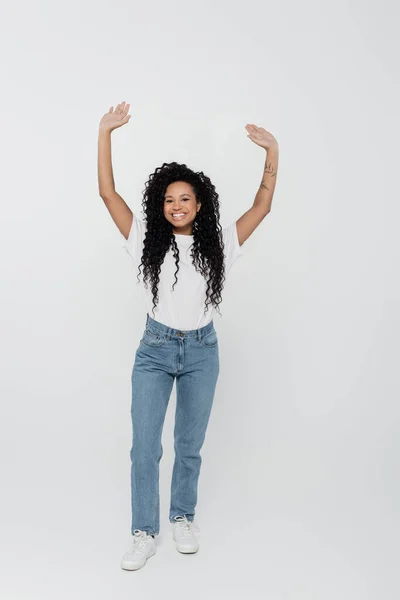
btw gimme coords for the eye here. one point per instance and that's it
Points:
(182, 199)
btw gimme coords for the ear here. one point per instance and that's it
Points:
(198, 206)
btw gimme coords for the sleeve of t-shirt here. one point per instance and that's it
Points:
(232, 248)
(134, 244)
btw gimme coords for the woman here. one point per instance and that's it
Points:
(185, 256)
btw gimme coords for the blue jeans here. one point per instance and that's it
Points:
(192, 358)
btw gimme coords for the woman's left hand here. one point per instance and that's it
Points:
(261, 136)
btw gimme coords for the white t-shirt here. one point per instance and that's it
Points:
(182, 307)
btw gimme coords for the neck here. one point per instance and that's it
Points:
(183, 231)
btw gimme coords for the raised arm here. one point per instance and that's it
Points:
(248, 222)
(116, 205)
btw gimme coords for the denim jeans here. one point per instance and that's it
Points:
(164, 353)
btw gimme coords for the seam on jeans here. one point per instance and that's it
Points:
(179, 472)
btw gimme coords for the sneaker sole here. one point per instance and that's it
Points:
(184, 550)
(135, 568)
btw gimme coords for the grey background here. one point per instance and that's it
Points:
(299, 490)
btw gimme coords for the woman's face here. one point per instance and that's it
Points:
(180, 199)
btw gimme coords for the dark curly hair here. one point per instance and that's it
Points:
(207, 249)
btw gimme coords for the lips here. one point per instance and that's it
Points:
(181, 216)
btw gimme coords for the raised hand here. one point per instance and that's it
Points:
(115, 118)
(261, 136)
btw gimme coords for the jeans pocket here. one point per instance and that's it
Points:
(155, 340)
(210, 340)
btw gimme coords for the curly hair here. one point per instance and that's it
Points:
(207, 249)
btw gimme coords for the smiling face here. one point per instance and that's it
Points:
(180, 200)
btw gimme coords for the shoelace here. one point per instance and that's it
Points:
(185, 527)
(138, 542)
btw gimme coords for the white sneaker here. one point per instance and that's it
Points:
(142, 547)
(184, 535)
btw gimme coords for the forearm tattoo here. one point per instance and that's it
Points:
(270, 170)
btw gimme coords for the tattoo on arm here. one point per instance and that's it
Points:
(269, 169)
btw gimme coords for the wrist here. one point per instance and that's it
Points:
(104, 131)
(273, 148)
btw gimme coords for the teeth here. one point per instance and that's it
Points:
(178, 215)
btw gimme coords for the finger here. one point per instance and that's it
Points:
(111, 109)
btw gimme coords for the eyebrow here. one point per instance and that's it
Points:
(169, 195)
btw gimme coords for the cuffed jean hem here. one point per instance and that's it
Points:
(149, 532)
(189, 518)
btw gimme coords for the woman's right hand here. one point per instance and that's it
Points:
(115, 118)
